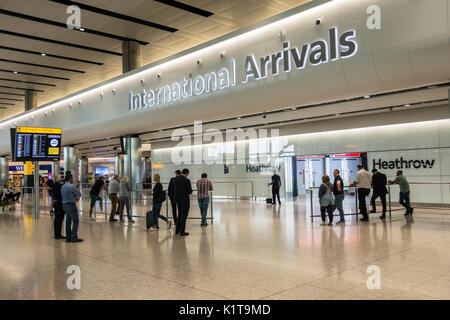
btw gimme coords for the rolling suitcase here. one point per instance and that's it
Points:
(268, 199)
(148, 218)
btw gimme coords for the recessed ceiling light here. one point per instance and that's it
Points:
(15, 72)
(43, 54)
(238, 118)
(366, 97)
(407, 105)
(294, 108)
(81, 29)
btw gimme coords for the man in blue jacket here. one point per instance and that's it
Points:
(70, 195)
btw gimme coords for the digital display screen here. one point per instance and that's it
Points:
(37, 144)
(101, 171)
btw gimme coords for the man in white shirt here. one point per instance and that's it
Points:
(363, 180)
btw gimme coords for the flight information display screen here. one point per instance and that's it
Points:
(37, 144)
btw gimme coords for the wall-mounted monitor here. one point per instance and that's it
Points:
(36, 144)
(101, 171)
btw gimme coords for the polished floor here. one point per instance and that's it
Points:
(252, 251)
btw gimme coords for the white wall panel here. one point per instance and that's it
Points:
(378, 66)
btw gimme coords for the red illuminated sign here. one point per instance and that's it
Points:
(346, 155)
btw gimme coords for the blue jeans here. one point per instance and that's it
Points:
(156, 214)
(404, 201)
(71, 211)
(338, 199)
(203, 205)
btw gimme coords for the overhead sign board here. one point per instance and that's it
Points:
(36, 144)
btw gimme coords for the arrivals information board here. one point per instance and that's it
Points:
(37, 144)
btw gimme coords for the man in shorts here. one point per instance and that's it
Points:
(94, 194)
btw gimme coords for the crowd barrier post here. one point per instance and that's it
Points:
(167, 208)
(356, 203)
(311, 203)
(212, 209)
(389, 193)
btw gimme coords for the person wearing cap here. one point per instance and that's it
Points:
(379, 182)
(363, 181)
(94, 194)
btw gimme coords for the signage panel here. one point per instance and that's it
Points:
(36, 144)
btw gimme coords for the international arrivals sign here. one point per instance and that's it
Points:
(337, 46)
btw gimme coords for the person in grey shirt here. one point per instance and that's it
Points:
(326, 200)
(113, 191)
(124, 191)
(70, 195)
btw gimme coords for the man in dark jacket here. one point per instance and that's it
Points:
(171, 192)
(183, 189)
(338, 191)
(379, 182)
(276, 185)
(57, 204)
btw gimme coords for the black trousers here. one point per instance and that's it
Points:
(362, 194)
(183, 212)
(324, 211)
(173, 203)
(276, 193)
(383, 201)
(59, 217)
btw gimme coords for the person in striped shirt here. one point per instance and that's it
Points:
(204, 186)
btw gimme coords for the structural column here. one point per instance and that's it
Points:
(4, 170)
(30, 99)
(118, 165)
(132, 161)
(131, 55)
(147, 169)
(71, 162)
(84, 171)
(56, 168)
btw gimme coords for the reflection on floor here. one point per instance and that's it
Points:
(252, 251)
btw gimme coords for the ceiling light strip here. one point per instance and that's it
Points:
(42, 65)
(62, 43)
(64, 25)
(116, 15)
(186, 7)
(51, 55)
(30, 82)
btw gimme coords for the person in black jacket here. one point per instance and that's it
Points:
(173, 201)
(379, 182)
(338, 191)
(158, 199)
(183, 189)
(57, 205)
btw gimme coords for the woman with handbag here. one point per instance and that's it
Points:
(159, 197)
(124, 199)
(326, 200)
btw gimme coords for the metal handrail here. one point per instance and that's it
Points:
(312, 216)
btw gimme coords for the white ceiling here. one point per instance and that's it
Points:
(194, 29)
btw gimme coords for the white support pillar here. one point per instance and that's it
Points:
(84, 171)
(133, 162)
(4, 170)
(118, 165)
(71, 162)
